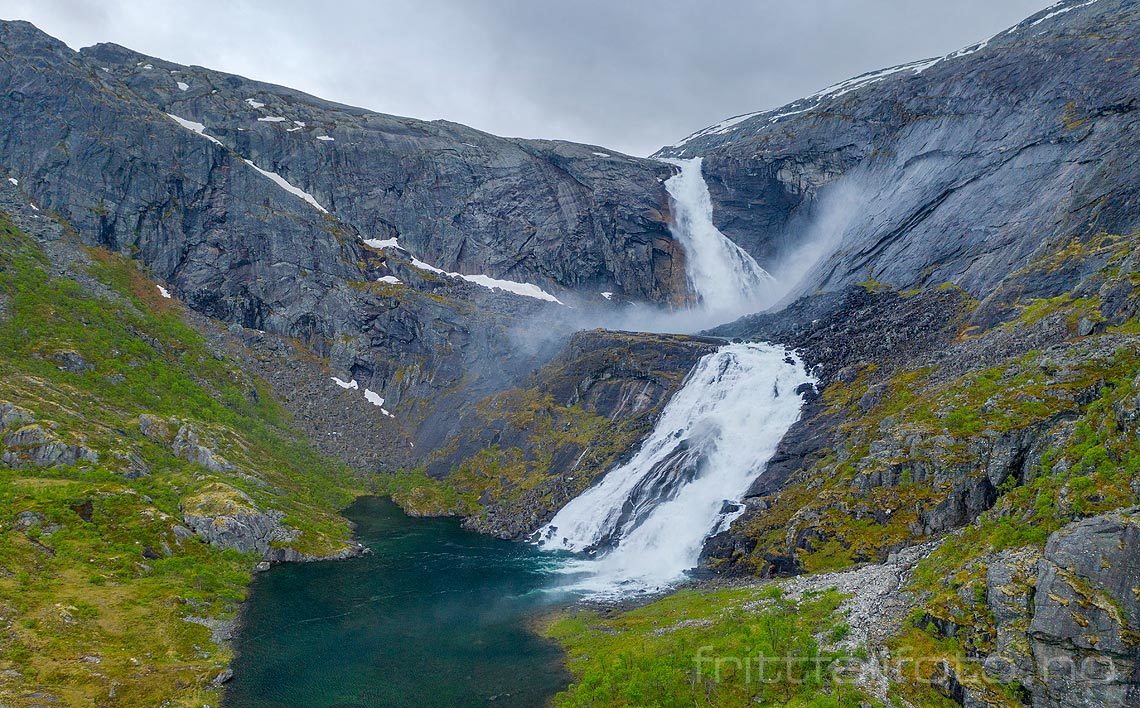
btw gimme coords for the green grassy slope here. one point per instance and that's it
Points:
(101, 601)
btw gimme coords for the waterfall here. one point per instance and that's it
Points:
(725, 279)
(644, 523)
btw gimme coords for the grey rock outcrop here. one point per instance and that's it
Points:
(227, 518)
(1085, 631)
(34, 445)
(13, 416)
(189, 446)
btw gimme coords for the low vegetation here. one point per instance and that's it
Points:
(102, 600)
(746, 646)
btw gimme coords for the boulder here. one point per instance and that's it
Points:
(189, 446)
(228, 518)
(1085, 631)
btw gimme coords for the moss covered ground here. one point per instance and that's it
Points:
(727, 647)
(101, 603)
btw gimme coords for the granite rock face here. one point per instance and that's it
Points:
(1085, 628)
(260, 223)
(950, 170)
(26, 442)
(559, 214)
(226, 517)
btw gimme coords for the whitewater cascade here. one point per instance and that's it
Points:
(726, 280)
(644, 524)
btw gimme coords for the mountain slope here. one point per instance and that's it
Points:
(144, 475)
(969, 472)
(949, 170)
(240, 243)
(556, 213)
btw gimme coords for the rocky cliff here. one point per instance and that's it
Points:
(954, 169)
(252, 204)
(524, 453)
(560, 214)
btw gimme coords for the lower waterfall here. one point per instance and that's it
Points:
(642, 526)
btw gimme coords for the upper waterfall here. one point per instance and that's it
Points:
(725, 279)
(646, 521)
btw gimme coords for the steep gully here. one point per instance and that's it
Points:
(643, 525)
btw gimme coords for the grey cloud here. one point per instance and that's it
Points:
(631, 75)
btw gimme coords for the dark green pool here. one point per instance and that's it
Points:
(436, 616)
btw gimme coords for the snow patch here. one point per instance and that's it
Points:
(182, 85)
(390, 279)
(375, 399)
(148, 67)
(1062, 11)
(299, 123)
(271, 119)
(254, 104)
(194, 127)
(326, 138)
(486, 281)
(382, 243)
(14, 181)
(345, 384)
(163, 291)
(428, 267)
(608, 296)
(283, 184)
(603, 154)
(524, 289)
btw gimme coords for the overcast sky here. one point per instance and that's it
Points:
(631, 75)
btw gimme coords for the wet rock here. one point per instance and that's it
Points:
(621, 377)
